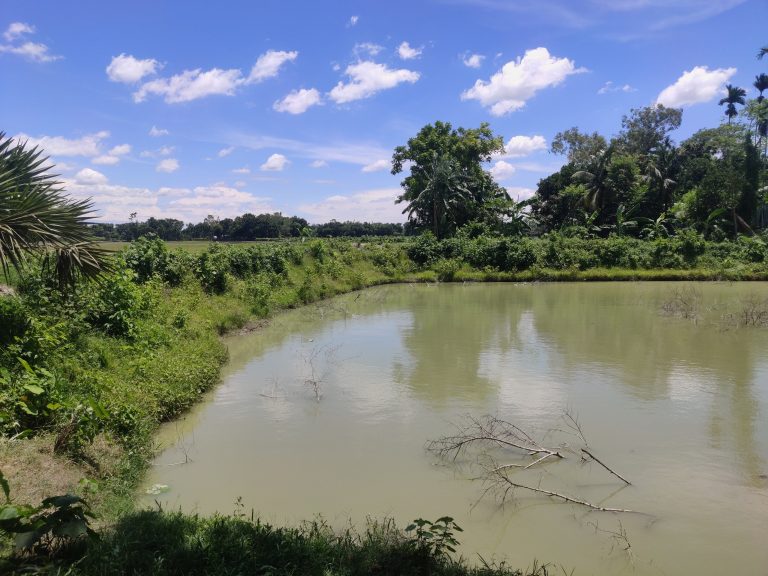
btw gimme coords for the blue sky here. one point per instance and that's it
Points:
(183, 109)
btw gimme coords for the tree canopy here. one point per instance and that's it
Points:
(447, 186)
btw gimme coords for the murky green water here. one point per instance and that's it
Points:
(679, 406)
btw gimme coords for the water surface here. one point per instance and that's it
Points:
(677, 405)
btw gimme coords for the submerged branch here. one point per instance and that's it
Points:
(604, 465)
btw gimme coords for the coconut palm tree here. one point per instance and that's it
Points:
(735, 96)
(763, 51)
(595, 180)
(38, 218)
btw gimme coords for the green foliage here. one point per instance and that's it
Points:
(149, 257)
(30, 398)
(39, 218)
(44, 529)
(212, 270)
(14, 320)
(117, 303)
(439, 537)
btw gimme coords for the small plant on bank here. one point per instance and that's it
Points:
(438, 537)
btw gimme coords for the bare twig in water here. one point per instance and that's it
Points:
(619, 538)
(604, 465)
(503, 478)
(489, 431)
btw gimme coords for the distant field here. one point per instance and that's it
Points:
(194, 246)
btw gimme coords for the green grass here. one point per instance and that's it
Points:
(192, 246)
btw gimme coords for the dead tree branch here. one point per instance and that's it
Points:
(604, 465)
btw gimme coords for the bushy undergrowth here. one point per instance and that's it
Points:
(160, 543)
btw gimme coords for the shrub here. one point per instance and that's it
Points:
(116, 304)
(14, 320)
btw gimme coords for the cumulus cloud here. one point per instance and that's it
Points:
(519, 80)
(224, 152)
(376, 166)
(114, 202)
(407, 52)
(298, 101)
(120, 150)
(191, 85)
(90, 176)
(268, 64)
(502, 170)
(88, 145)
(129, 70)
(275, 163)
(519, 146)
(35, 51)
(155, 132)
(367, 78)
(194, 84)
(367, 206)
(352, 21)
(162, 151)
(473, 60)
(243, 170)
(167, 165)
(609, 87)
(695, 86)
(319, 164)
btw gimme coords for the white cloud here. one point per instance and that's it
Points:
(319, 164)
(352, 21)
(519, 193)
(368, 78)
(224, 152)
(519, 146)
(168, 165)
(376, 166)
(609, 87)
(155, 132)
(88, 145)
(191, 85)
(17, 30)
(90, 176)
(129, 70)
(695, 86)
(269, 63)
(368, 206)
(35, 51)
(106, 160)
(243, 170)
(502, 170)
(368, 48)
(275, 163)
(473, 60)
(298, 101)
(120, 150)
(407, 52)
(519, 80)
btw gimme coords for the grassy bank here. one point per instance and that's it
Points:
(88, 376)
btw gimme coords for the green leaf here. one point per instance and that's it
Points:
(26, 540)
(98, 409)
(61, 501)
(9, 512)
(26, 366)
(72, 529)
(34, 389)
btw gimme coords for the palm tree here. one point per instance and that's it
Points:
(763, 51)
(38, 218)
(662, 165)
(595, 179)
(761, 83)
(735, 96)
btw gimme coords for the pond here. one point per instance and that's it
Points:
(327, 411)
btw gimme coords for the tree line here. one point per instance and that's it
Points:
(245, 227)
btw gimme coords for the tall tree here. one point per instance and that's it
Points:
(579, 147)
(37, 217)
(735, 96)
(447, 162)
(643, 129)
